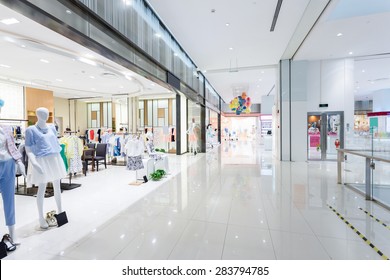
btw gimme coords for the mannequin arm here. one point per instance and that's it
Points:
(33, 160)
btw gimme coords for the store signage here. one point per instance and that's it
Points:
(323, 105)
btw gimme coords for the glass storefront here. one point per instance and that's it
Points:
(159, 116)
(238, 128)
(193, 127)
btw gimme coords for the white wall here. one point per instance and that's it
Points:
(267, 102)
(61, 109)
(284, 103)
(78, 116)
(299, 92)
(81, 117)
(313, 83)
(331, 82)
(381, 100)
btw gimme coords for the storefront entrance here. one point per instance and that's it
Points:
(325, 132)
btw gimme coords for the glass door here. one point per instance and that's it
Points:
(314, 136)
(334, 135)
(324, 135)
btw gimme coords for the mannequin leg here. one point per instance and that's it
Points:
(11, 230)
(40, 197)
(57, 195)
(7, 184)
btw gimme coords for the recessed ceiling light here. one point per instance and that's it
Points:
(89, 55)
(158, 35)
(58, 80)
(262, 72)
(92, 77)
(87, 61)
(152, 84)
(93, 88)
(44, 60)
(231, 48)
(9, 21)
(68, 11)
(204, 71)
(363, 71)
(5, 66)
(260, 80)
(339, 34)
(227, 24)
(175, 54)
(127, 2)
(23, 46)
(350, 53)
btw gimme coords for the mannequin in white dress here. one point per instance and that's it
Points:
(46, 164)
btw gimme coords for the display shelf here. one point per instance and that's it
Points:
(265, 127)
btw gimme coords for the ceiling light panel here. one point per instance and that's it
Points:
(87, 61)
(9, 21)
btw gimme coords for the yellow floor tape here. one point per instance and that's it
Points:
(369, 243)
(375, 219)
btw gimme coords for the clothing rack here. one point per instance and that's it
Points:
(70, 185)
(71, 132)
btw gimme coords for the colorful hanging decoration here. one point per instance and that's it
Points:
(241, 103)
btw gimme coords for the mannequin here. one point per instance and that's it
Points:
(46, 164)
(134, 149)
(193, 139)
(210, 134)
(8, 156)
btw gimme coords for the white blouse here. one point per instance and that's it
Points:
(4, 154)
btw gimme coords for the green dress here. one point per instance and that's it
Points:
(64, 157)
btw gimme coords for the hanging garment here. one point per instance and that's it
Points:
(10, 142)
(91, 135)
(134, 163)
(63, 156)
(74, 151)
(173, 135)
(75, 164)
(99, 135)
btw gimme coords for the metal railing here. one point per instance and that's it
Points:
(367, 172)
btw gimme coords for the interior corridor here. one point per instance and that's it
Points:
(235, 202)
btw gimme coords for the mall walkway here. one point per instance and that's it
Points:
(234, 202)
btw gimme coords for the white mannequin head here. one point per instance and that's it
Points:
(42, 114)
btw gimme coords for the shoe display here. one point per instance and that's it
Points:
(9, 242)
(50, 219)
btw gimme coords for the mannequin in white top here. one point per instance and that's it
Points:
(193, 139)
(8, 155)
(43, 150)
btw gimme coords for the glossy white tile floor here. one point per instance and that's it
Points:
(235, 202)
